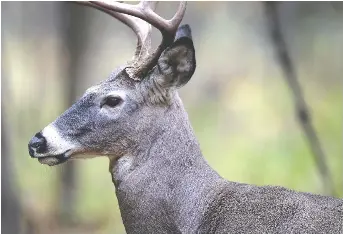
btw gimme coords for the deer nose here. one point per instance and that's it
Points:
(37, 144)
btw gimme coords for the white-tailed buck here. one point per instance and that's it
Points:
(163, 183)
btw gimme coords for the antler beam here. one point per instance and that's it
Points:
(143, 11)
(139, 18)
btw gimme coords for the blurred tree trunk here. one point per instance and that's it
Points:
(73, 17)
(301, 107)
(11, 210)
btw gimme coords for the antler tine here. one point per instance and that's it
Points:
(141, 10)
(138, 26)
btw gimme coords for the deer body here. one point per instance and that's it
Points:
(170, 188)
(163, 183)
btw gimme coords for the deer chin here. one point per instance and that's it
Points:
(53, 160)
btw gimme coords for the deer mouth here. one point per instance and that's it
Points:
(54, 160)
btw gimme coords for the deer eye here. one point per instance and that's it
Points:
(111, 101)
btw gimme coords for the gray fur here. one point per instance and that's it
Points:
(163, 183)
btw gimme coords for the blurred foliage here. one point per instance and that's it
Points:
(238, 102)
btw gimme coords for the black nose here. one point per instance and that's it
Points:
(37, 144)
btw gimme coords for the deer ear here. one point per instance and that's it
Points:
(177, 63)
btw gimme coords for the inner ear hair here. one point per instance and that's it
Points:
(177, 64)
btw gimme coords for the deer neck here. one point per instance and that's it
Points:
(164, 185)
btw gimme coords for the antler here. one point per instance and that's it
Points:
(139, 18)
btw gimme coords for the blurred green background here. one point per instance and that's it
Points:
(239, 104)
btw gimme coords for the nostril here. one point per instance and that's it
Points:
(38, 143)
(39, 135)
(35, 143)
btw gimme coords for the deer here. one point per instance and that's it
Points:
(162, 181)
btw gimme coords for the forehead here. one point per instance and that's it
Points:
(118, 80)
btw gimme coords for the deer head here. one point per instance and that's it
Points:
(122, 112)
